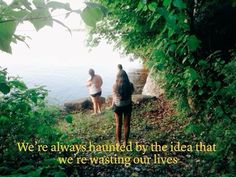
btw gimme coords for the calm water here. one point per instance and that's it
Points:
(60, 62)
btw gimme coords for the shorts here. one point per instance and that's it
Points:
(122, 109)
(96, 94)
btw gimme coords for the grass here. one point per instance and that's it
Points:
(99, 128)
(151, 122)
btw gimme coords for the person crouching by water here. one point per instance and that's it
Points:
(122, 104)
(94, 85)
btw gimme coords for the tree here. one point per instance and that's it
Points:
(24, 114)
(191, 46)
(38, 12)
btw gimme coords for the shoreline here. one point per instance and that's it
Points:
(137, 76)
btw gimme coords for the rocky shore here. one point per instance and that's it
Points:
(145, 89)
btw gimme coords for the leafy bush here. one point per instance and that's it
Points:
(191, 46)
(24, 117)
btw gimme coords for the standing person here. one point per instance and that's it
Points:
(122, 104)
(120, 67)
(94, 85)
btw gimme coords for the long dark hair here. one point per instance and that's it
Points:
(123, 86)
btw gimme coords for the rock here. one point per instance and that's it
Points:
(109, 101)
(103, 100)
(151, 86)
(138, 98)
(138, 78)
(80, 104)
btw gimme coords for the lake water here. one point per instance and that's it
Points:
(61, 62)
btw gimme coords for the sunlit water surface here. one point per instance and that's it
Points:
(61, 61)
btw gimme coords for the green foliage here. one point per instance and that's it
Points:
(40, 18)
(93, 13)
(193, 43)
(24, 117)
(91, 16)
(6, 35)
(191, 46)
(152, 6)
(179, 4)
(69, 119)
(38, 12)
